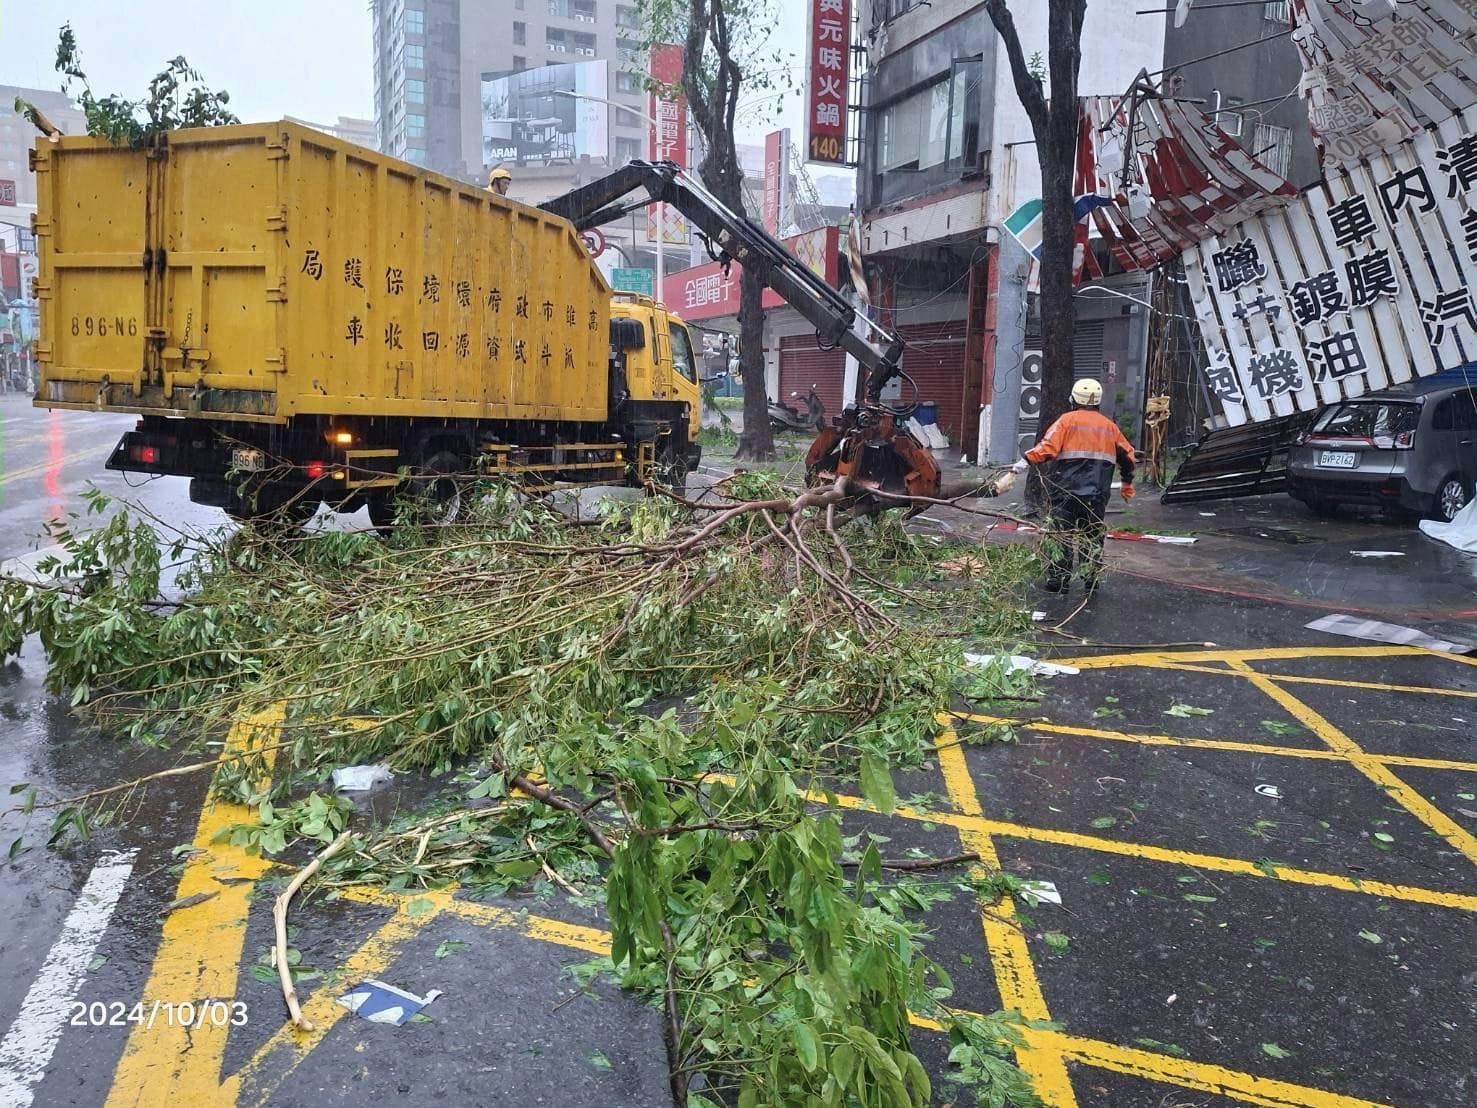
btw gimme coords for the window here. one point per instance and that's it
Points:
(582, 11)
(584, 44)
(626, 18)
(415, 91)
(1272, 146)
(682, 360)
(554, 40)
(627, 150)
(415, 157)
(1455, 413)
(893, 8)
(520, 63)
(415, 22)
(627, 82)
(415, 56)
(518, 5)
(1367, 418)
(415, 126)
(1276, 11)
(520, 34)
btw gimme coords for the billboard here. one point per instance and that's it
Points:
(706, 292)
(827, 81)
(668, 141)
(777, 214)
(532, 117)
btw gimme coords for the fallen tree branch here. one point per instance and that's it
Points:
(279, 920)
(914, 864)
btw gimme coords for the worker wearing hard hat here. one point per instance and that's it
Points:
(1084, 446)
(499, 181)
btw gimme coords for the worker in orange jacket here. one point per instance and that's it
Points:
(1084, 445)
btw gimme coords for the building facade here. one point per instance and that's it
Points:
(1251, 92)
(17, 137)
(361, 132)
(947, 155)
(438, 63)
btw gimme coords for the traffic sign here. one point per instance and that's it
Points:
(634, 280)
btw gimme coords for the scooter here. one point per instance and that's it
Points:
(783, 417)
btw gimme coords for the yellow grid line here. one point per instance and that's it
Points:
(1332, 682)
(1396, 789)
(1317, 754)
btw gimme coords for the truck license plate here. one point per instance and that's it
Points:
(251, 461)
(1337, 459)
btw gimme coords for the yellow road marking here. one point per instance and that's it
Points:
(1238, 866)
(66, 459)
(1396, 789)
(1015, 973)
(1333, 682)
(199, 958)
(288, 1047)
(1316, 754)
(1157, 659)
(1196, 1075)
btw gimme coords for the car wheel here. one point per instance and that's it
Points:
(1451, 497)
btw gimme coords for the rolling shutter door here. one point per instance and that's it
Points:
(803, 364)
(935, 360)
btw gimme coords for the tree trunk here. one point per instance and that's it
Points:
(1058, 311)
(756, 442)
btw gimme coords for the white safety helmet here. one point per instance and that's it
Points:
(1087, 392)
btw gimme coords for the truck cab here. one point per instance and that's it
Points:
(663, 369)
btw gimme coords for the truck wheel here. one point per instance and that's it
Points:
(671, 463)
(438, 489)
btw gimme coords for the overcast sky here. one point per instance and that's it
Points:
(309, 58)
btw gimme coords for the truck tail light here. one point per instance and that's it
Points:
(144, 455)
(344, 438)
(315, 470)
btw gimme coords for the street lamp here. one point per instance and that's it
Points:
(661, 207)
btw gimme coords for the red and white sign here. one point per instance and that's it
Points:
(594, 240)
(777, 207)
(827, 81)
(704, 293)
(668, 141)
(7, 193)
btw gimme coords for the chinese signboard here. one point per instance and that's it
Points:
(668, 141)
(1363, 282)
(1375, 75)
(776, 213)
(827, 76)
(7, 193)
(704, 292)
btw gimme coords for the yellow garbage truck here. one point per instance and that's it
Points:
(298, 320)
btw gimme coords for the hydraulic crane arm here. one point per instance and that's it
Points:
(735, 238)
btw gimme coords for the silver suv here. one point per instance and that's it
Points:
(1407, 449)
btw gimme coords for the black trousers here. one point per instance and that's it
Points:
(1076, 533)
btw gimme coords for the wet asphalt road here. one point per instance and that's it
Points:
(1216, 945)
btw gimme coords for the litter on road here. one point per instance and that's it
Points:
(1018, 662)
(1461, 532)
(1041, 892)
(1269, 790)
(380, 1003)
(358, 779)
(1372, 629)
(1378, 553)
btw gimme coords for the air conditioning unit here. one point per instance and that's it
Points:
(1032, 371)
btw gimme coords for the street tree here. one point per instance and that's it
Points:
(1051, 106)
(726, 50)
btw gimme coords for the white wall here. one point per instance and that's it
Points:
(1116, 45)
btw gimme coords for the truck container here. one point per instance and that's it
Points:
(316, 320)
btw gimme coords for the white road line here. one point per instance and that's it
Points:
(32, 1038)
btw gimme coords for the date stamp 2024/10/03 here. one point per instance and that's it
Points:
(162, 1013)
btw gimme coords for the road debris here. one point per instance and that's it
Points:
(1268, 790)
(1019, 663)
(359, 779)
(1372, 629)
(380, 1003)
(1040, 892)
(1378, 553)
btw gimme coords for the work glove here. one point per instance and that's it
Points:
(1128, 493)
(1020, 466)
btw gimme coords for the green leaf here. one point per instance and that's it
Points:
(1102, 823)
(1098, 877)
(449, 947)
(599, 1061)
(805, 1048)
(1198, 898)
(1281, 728)
(418, 907)
(1371, 937)
(1267, 866)
(20, 788)
(1057, 941)
(1187, 711)
(265, 974)
(1384, 837)
(1164, 1048)
(1466, 796)
(877, 783)
(1272, 1050)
